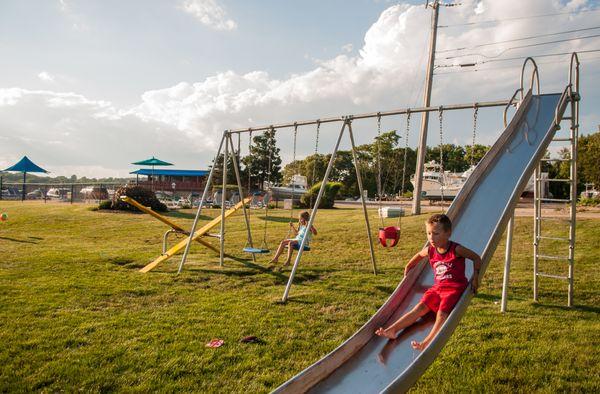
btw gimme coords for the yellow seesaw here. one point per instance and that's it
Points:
(196, 237)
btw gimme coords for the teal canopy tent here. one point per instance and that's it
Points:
(153, 161)
(25, 165)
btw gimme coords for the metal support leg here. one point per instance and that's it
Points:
(314, 213)
(362, 197)
(241, 192)
(509, 238)
(165, 237)
(537, 212)
(204, 195)
(223, 199)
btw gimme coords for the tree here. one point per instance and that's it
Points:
(476, 152)
(262, 151)
(588, 157)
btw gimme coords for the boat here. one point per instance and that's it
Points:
(437, 183)
(295, 189)
(58, 193)
(590, 191)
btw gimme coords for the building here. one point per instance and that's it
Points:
(176, 181)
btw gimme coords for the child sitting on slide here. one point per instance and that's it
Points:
(294, 243)
(447, 259)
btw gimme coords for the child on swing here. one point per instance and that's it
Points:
(447, 259)
(294, 243)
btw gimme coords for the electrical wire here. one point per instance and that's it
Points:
(522, 46)
(519, 18)
(519, 39)
(589, 59)
(513, 58)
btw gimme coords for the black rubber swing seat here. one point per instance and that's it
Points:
(256, 250)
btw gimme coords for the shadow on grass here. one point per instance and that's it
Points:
(277, 219)
(186, 215)
(23, 241)
(581, 308)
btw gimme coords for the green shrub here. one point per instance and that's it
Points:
(142, 195)
(331, 191)
(589, 202)
(106, 204)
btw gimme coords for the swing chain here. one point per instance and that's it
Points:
(474, 133)
(379, 189)
(405, 150)
(443, 181)
(314, 172)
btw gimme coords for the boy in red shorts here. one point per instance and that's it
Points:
(447, 259)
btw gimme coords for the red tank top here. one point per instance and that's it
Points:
(448, 268)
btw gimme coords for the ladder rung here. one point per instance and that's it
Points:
(555, 238)
(561, 140)
(556, 159)
(555, 180)
(566, 118)
(553, 200)
(558, 219)
(552, 276)
(546, 257)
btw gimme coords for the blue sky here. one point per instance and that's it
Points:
(87, 87)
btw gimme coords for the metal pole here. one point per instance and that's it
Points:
(223, 198)
(507, 256)
(416, 209)
(241, 192)
(204, 194)
(573, 214)
(536, 228)
(314, 213)
(362, 197)
(403, 111)
(24, 181)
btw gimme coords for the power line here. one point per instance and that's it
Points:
(514, 58)
(519, 39)
(520, 18)
(523, 46)
(508, 67)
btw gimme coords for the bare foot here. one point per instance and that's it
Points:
(419, 345)
(273, 262)
(286, 263)
(385, 333)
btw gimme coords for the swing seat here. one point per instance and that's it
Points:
(390, 233)
(248, 249)
(297, 247)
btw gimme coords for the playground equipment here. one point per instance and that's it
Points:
(480, 213)
(175, 228)
(195, 237)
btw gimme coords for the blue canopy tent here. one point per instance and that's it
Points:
(25, 165)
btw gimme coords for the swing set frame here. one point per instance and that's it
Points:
(227, 142)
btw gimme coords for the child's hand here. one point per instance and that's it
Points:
(291, 225)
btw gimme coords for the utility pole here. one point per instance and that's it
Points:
(416, 209)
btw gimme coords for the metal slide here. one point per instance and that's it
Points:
(366, 363)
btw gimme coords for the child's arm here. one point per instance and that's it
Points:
(294, 228)
(313, 230)
(415, 260)
(474, 257)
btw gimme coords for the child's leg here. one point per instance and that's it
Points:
(290, 251)
(406, 320)
(279, 250)
(440, 318)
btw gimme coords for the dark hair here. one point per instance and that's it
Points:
(305, 215)
(442, 219)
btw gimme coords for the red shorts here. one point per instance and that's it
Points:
(442, 298)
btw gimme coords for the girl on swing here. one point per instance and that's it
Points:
(294, 243)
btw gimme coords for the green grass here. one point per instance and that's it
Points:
(77, 314)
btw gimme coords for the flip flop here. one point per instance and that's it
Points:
(215, 342)
(250, 339)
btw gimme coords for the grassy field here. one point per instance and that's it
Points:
(77, 314)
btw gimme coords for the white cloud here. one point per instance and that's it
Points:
(209, 13)
(347, 48)
(46, 76)
(183, 123)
